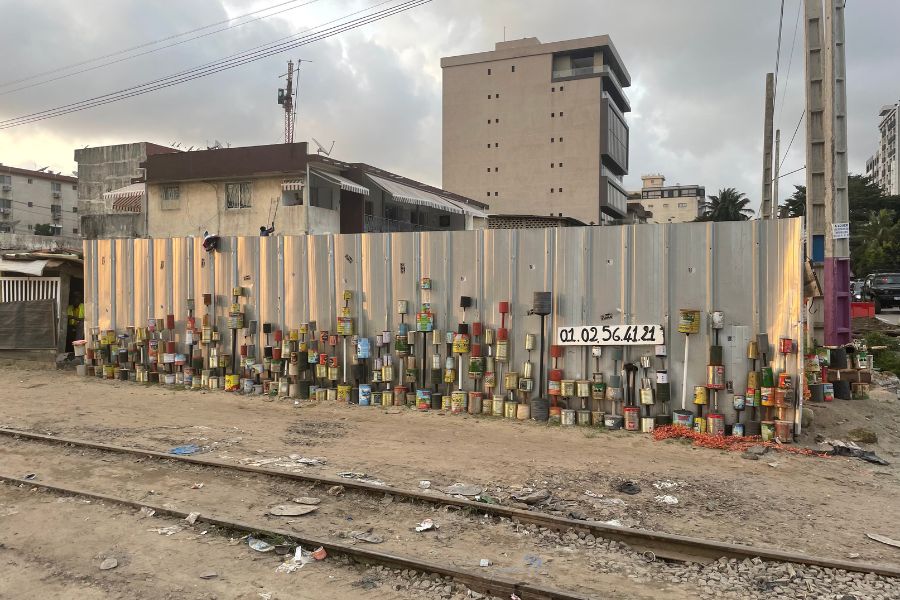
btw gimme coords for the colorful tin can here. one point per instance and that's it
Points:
(715, 377)
(767, 431)
(632, 418)
(716, 424)
(458, 402)
(701, 396)
(737, 429)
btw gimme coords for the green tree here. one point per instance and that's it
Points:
(43, 229)
(877, 243)
(795, 206)
(728, 205)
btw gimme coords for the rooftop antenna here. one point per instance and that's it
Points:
(42, 169)
(286, 100)
(322, 149)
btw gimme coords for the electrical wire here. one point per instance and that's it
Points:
(787, 80)
(147, 44)
(216, 66)
(781, 164)
(778, 50)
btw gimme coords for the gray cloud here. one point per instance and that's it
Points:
(698, 69)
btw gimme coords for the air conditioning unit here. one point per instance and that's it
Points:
(7, 188)
(57, 195)
(5, 211)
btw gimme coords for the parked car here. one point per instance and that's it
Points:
(883, 289)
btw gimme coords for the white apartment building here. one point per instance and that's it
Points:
(670, 203)
(883, 167)
(29, 199)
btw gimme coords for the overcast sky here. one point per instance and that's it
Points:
(698, 71)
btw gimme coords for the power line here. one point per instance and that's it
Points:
(217, 66)
(787, 80)
(791, 172)
(778, 51)
(781, 164)
(146, 44)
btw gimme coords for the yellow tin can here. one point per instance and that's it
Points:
(701, 395)
(688, 320)
(343, 392)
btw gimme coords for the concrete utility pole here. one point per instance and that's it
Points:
(815, 158)
(827, 202)
(775, 176)
(768, 121)
(837, 204)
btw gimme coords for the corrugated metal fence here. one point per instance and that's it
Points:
(640, 274)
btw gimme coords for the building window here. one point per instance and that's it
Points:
(488, 169)
(496, 169)
(551, 165)
(496, 193)
(560, 165)
(553, 89)
(514, 68)
(560, 190)
(171, 197)
(74, 209)
(30, 180)
(682, 205)
(237, 195)
(496, 95)
(562, 87)
(551, 190)
(552, 140)
(489, 96)
(489, 144)
(560, 139)
(553, 114)
(75, 188)
(55, 186)
(444, 220)
(30, 227)
(496, 120)
(496, 144)
(489, 71)
(74, 230)
(5, 179)
(488, 194)
(489, 121)
(30, 204)
(560, 113)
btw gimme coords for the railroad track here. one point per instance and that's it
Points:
(662, 545)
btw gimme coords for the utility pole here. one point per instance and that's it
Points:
(768, 122)
(837, 205)
(815, 158)
(776, 175)
(827, 202)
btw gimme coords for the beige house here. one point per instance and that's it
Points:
(538, 128)
(238, 191)
(670, 203)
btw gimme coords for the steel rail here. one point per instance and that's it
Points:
(492, 585)
(663, 545)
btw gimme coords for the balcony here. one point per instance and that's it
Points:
(375, 224)
(577, 72)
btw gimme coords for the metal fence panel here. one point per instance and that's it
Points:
(620, 275)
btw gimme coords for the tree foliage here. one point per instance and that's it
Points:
(874, 224)
(728, 205)
(43, 229)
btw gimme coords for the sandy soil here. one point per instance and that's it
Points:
(820, 506)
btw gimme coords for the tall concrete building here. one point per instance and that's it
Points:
(536, 128)
(29, 199)
(883, 168)
(670, 203)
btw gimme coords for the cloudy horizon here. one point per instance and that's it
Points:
(698, 72)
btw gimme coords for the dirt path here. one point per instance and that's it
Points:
(820, 506)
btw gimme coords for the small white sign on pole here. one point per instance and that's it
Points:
(840, 231)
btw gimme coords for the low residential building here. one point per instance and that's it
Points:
(535, 127)
(670, 203)
(107, 201)
(883, 167)
(237, 191)
(38, 202)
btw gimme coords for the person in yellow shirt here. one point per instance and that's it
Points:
(75, 314)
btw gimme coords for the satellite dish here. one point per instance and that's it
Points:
(322, 149)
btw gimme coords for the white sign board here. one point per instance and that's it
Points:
(840, 231)
(611, 335)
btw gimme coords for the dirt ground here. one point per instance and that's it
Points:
(821, 506)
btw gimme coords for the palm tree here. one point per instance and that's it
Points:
(729, 205)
